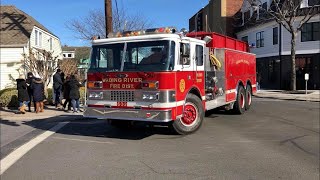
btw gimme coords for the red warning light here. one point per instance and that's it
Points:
(161, 30)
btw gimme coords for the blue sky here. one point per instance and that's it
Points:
(54, 14)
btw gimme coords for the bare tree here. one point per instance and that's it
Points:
(68, 66)
(289, 14)
(94, 23)
(41, 62)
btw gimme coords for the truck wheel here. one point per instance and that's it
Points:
(192, 116)
(248, 97)
(239, 105)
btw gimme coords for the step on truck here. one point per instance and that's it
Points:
(164, 76)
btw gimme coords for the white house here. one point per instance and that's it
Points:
(272, 45)
(19, 32)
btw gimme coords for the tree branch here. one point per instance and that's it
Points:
(307, 17)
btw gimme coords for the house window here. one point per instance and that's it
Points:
(246, 16)
(275, 35)
(259, 39)
(69, 55)
(245, 39)
(40, 39)
(36, 37)
(310, 32)
(64, 55)
(265, 6)
(50, 41)
(264, 9)
(313, 2)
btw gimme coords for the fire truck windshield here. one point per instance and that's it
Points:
(133, 56)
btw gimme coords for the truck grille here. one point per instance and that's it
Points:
(122, 96)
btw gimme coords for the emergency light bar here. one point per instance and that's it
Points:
(162, 30)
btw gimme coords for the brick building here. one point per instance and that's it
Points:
(217, 16)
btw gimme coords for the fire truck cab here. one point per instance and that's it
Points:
(160, 75)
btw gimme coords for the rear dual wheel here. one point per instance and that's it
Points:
(243, 101)
(248, 97)
(192, 117)
(239, 106)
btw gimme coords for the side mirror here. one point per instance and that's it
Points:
(185, 50)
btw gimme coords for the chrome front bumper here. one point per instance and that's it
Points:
(128, 114)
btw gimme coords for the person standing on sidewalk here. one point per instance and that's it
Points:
(66, 92)
(29, 80)
(23, 97)
(38, 94)
(258, 80)
(57, 86)
(74, 94)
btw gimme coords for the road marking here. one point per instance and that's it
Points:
(83, 140)
(258, 141)
(267, 99)
(13, 157)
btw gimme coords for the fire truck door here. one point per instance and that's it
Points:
(184, 68)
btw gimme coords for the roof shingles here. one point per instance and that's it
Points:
(16, 26)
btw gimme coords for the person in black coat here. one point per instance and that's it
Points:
(38, 94)
(74, 94)
(23, 96)
(57, 86)
(29, 80)
(66, 92)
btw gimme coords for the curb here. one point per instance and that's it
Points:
(290, 99)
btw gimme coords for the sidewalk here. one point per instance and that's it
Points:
(313, 95)
(49, 112)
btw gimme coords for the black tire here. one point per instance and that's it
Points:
(248, 98)
(239, 105)
(193, 116)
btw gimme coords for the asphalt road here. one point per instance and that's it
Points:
(274, 140)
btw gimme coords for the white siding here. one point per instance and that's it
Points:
(45, 42)
(11, 66)
(309, 47)
(268, 48)
(66, 54)
(10, 72)
(9, 55)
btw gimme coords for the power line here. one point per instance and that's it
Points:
(118, 16)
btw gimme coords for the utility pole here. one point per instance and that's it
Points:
(108, 16)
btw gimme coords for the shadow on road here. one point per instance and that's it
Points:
(80, 126)
(9, 123)
(101, 128)
(95, 128)
(219, 111)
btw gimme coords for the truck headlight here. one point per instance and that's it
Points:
(95, 95)
(150, 95)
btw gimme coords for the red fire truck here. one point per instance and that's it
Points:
(161, 75)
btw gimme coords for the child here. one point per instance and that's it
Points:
(66, 92)
(23, 97)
